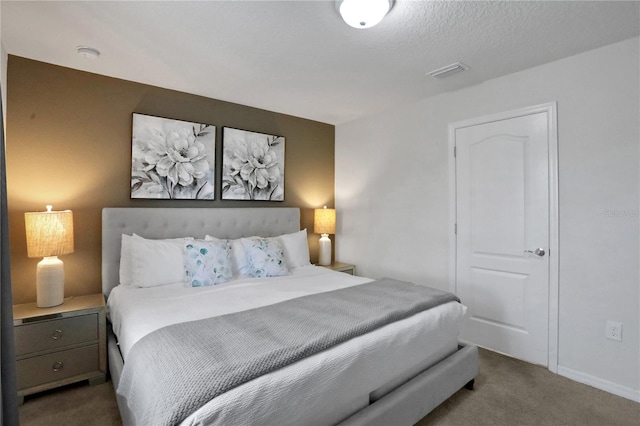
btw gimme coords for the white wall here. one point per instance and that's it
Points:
(392, 198)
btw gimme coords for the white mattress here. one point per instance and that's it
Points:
(322, 389)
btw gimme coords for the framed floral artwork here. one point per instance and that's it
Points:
(172, 159)
(252, 166)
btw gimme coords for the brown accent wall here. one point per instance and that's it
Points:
(69, 144)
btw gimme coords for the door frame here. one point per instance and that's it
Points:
(551, 110)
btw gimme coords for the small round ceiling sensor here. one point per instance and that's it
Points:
(88, 52)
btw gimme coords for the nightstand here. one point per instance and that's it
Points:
(60, 345)
(342, 267)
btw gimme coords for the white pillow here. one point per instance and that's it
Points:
(126, 274)
(156, 262)
(126, 267)
(265, 256)
(296, 248)
(239, 262)
(206, 262)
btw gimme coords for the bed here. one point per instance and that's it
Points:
(394, 374)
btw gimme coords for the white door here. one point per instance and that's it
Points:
(502, 247)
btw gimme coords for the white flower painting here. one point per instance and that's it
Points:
(172, 159)
(253, 166)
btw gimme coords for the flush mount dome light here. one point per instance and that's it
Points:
(88, 52)
(363, 13)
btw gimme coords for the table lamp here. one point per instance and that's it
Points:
(49, 234)
(324, 223)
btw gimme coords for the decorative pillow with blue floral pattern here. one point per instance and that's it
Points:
(265, 256)
(206, 262)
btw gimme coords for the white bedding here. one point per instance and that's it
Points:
(322, 389)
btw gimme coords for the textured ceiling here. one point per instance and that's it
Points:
(299, 57)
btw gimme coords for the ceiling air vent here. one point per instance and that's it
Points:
(448, 70)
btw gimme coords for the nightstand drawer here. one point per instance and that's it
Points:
(57, 366)
(54, 334)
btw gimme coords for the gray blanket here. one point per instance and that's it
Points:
(173, 371)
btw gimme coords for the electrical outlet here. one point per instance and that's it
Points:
(613, 330)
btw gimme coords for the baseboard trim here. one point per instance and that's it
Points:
(605, 385)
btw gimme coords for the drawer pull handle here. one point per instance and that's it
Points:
(57, 366)
(56, 334)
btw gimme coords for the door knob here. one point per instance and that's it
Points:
(538, 252)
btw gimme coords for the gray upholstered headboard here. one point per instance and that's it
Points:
(187, 222)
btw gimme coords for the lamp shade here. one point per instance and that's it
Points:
(49, 233)
(324, 221)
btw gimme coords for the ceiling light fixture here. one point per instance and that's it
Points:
(88, 52)
(363, 13)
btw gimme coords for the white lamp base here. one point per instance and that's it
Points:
(324, 250)
(50, 282)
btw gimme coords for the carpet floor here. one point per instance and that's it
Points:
(507, 392)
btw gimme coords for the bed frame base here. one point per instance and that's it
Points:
(410, 402)
(116, 363)
(405, 405)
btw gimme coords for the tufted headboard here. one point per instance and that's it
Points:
(187, 222)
